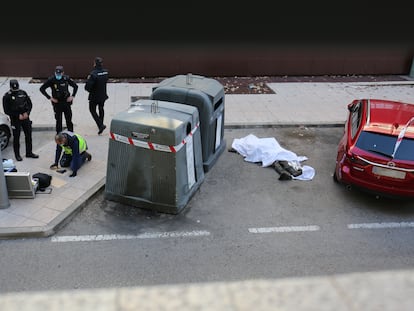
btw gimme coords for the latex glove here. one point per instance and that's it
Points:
(54, 166)
(23, 116)
(73, 174)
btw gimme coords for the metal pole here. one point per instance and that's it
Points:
(4, 196)
(411, 74)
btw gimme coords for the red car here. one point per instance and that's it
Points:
(376, 151)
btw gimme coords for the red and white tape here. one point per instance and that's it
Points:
(152, 146)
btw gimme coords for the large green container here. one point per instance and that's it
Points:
(208, 96)
(154, 156)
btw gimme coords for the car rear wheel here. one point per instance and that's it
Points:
(334, 177)
(4, 137)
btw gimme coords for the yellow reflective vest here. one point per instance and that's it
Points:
(82, 145)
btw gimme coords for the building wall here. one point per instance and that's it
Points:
(135, 61)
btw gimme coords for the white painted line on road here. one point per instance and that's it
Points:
(147, 235)
(284, 229)
(381, 225)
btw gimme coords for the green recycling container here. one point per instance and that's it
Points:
(154, 156)
(207, 95)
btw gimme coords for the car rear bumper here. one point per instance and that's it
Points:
(347, 178)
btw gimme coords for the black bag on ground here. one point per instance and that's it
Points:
(44, 180)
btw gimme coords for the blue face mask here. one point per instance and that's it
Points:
(58, 76)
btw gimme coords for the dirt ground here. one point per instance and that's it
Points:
(258, 84)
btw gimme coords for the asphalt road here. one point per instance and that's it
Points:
(242, 223)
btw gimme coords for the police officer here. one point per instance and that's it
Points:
(61, 98)
(18, 105)
(96, 86)
(74, 148)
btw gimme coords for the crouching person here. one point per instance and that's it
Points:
(73, 146)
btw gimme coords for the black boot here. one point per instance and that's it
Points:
(16, 149)
(290, 169)
(32, 155)
(17, 153)
(101, 129)
(29, 153)
(284, 175)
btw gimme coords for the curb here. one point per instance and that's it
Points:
(282, 125)
(230, 125)
(61, 220)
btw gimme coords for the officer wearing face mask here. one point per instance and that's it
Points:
(61, 98)
(18, 105)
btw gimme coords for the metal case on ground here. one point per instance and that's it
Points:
(21, 185)
(208, 96)
(154, 156)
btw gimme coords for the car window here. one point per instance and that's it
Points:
(384, 144)
(355, 118)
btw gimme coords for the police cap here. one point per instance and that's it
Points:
(98, 61)
(14, 84)
(59, 69)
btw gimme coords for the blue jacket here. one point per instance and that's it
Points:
(75, 146)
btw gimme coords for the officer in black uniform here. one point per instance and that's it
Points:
(96, 86)
(61, 98)
(18, 105)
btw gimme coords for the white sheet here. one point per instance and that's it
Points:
(268, 150)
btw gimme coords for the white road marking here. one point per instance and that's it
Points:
(177, 234)
(381, 225)
(147, 235)
(284, 229)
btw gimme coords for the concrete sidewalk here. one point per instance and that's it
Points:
(292, 104)
(374, 291)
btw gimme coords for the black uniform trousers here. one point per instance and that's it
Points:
(17, 126)
(61, 109)
(97, 116)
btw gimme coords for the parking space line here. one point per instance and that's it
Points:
(381, 225)
(284, 229)
(178, 234)
(146, 235)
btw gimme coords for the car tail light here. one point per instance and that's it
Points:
(354, 160)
